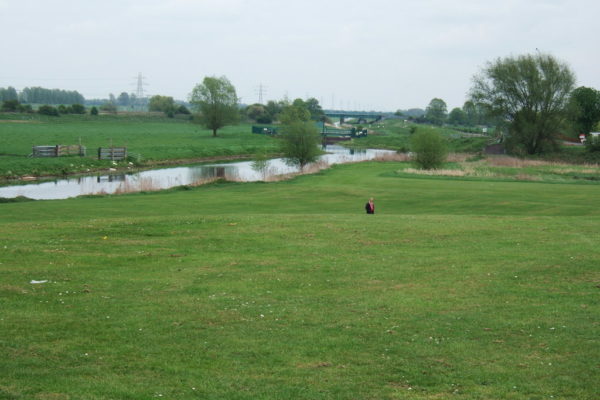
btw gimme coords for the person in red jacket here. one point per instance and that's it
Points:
(370, 206)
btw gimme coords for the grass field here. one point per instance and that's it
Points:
(148, 139)
(457, 288)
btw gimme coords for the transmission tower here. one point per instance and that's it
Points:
(139, 93)
(261, 90)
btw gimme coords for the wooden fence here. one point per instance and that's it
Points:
(58, 151)
(112, 153)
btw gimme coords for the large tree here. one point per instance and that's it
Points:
(530, 93)
(216, 102)
(437, 111)
(584, 109)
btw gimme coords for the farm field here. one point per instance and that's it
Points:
(458, 287)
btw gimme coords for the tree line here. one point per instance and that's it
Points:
(39, 95)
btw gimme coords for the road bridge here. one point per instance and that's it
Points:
(361, 116)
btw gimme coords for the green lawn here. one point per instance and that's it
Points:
(463, 289)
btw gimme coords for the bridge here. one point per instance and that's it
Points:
(361, 116)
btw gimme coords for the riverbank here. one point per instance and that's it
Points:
(128, 167)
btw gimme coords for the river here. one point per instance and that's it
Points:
(164, 178)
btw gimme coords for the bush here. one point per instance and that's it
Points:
(77, 109)
(429, 148)
(25, 108)
(10, 105)
(592, 143)
(109, 108)
(48, 110)
(94, 111)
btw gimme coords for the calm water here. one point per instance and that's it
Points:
(170, 177)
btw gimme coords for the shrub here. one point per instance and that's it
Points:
(10, 105)
(94, 111)
(429, 148)
(25, 108)
(77, 109)
(48, 110)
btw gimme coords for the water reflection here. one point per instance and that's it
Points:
(170, 177)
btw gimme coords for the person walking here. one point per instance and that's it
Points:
(370, 206)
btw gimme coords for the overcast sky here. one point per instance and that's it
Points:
(375, 54)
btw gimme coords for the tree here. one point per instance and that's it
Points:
(259, 113)
(274, 108)
(216, 102)
(429, 148)
(295, 112)
(530, 93)
(94, 111)
(8, 94)
(123, 99)
(436, 111)
(584, 110)
(315, 109)
(183, 110)
(164, 104)
(457, 117)
(299, 143)
(471, 113)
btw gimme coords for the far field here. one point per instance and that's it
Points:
(465, 287)
(149, 139)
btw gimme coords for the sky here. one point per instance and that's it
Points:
(379, 55)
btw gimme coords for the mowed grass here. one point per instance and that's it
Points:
(454, 289)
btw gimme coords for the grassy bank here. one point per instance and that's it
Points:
(395, 134)
(454, 289)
